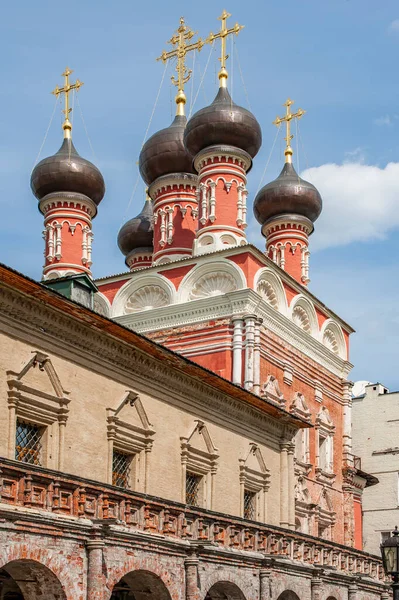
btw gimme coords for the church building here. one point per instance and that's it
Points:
(182, 430)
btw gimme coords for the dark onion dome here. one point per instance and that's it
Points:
(138, 232)
(67, 171)
(223, 123)
(164, 152)
(288, 194)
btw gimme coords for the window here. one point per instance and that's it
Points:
(28, 443)
(121, 464)
(323, 453)
(193, 489)
(385, 535)
(249, 505)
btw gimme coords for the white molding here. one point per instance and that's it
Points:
(304, 303)
(133, 285)
(212, 266)
(229, 305)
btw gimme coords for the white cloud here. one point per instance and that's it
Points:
(394, 26)
(360, 202)
(385, 120)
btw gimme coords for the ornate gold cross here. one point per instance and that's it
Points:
(183, 35)
(68, 87)
(223, 33)
(287, 119)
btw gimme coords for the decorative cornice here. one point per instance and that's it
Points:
(228, 305)
(170, 180)
(49, 202)
(218, 151)
(26, 317)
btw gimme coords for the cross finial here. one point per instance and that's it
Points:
(222, 35)
(287, 119)
(68, 87)
(182, 35)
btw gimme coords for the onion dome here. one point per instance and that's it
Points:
(67, 171)
(138, 232)
(223, 123)
(288, 194)
(164, 152)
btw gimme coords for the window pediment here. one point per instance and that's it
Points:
(37, 393)
(128, 425)
(271, 391)
(198, 451)
(299, 406)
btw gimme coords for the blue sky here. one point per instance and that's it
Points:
(337, 59)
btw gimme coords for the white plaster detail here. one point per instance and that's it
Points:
(102, 305)
(332, 337)
(268, 285)
(214, 278)
(303, 314)
(271, 391)
(166, 291)
(146, 298)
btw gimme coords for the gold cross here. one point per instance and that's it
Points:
(223, 33)
(68, 87)
(287, 119)
(182, 35)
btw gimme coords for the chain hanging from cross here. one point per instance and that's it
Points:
(66, 89)
(222, 35)
(183, 34)
(287, 120)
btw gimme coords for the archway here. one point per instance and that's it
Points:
(224, 590)
(29, 580)
(288, 595)
(140, 585)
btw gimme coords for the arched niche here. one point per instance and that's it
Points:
(28, 580)
(288, 595)
(143, 292)
(224, 590)
(140, 585)
(331, 336)
(268, 285)
(215, 278)
(102, 305)
(303, 314)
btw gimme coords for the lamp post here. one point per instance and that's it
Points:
(390, 560)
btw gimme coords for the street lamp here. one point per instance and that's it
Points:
(390, 560)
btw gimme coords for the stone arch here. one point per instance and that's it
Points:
(215, 278)
(224, 590)
(268, 285)
(288, 595)
(232, 580)
(144, 584)
(332, 337)
(102, 305)
(303, 314)
(30, 579)
(143, 293)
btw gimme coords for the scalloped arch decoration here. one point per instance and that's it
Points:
(146, 298)
(332, 337)
(213, 284)
(301, 318)
(330, 341)
(266, 290)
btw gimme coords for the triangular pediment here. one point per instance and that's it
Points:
(200, 439)
(130, 412)
(38, 375)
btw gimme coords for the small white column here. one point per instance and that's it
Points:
(58, 229)
(204, 211)
(249, 351)
(163, 228)
(284, 520)
(212, 202)
(347, 432)
(256, 388)
(238, 323)
(291, 486)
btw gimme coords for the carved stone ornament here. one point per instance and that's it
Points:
(266, 290)
(330, 341)
(271, 391)
(299, 406)
(213, 284)
(146, 298)
(301, 318)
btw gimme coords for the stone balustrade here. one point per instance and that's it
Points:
(51, 492)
